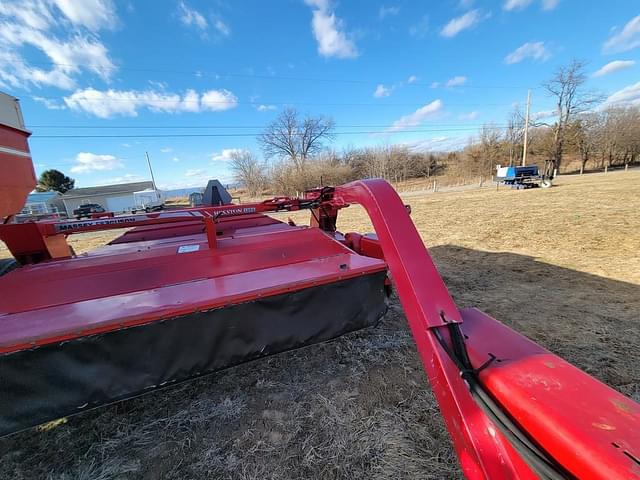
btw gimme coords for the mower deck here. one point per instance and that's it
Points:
(136, 315)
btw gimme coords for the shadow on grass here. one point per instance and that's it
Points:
(357, 407)
(589, 320)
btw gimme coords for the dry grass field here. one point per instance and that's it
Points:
(561, 266)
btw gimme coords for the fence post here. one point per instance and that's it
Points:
(606, 167)
(481, 179)
(626, 167)
(435, 187)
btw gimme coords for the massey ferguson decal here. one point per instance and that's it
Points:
(63, 227)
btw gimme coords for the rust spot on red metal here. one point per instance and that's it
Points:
(622, 406)
(603, 426)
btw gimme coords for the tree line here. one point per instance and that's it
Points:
(584, 135)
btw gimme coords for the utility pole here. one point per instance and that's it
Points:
(153, 180)
(526, 130)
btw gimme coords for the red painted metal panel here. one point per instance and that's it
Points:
(225, 226)
(14, 138)
(591, 429)
(147, 265)
(53, 324)
(17, 177)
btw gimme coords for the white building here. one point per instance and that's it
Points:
(113, 198)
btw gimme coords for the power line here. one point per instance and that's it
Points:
(254, 134)
(294, 77)
(180, 100)
(164, 127)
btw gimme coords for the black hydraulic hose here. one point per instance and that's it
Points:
(542, 465)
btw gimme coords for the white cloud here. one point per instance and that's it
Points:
(420, 29)
(265, 108)
(327, 29)
(42, 14)
(110, 103)
(430, 144)
(197, 177)
(126, 178)
(626, 39)
(469, 116)
(516, 4)
(549, 4)
(158, 85)
(614, 66)
(414, 119)
(166, 149)
(388, 11)
(195, 172)
(534, 50)
(49, 103)
(195, 181)
(218, 100)
(34, 14)
(175, 159)
(629, 95)
(412, 79)
(435, 84)
(29, 24)
(92, 14)
(543, 114)
(221, 27)
(456, 81)
(382, 91)
(463, 22)
(190, 17)
(91, 162)
(510, 5)
(226, 154)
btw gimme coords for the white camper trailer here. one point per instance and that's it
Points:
(148, 200)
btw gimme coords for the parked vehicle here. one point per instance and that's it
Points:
(522, 177)
(148, 200)
(87, 210)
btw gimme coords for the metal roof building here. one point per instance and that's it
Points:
(114, 198)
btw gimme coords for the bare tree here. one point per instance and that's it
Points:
(248, 171)
(566, 86)
(621, 132)
(296, 139)
(584, 134)
(490, 147)
(514, 136)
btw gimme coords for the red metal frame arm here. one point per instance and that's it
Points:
(482, 452)
(528, 391)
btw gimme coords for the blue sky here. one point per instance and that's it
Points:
(426, 74)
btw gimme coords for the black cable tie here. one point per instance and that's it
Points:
(476, 371)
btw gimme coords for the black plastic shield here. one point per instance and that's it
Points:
(58, 380)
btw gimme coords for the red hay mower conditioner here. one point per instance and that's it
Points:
(188, 292)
